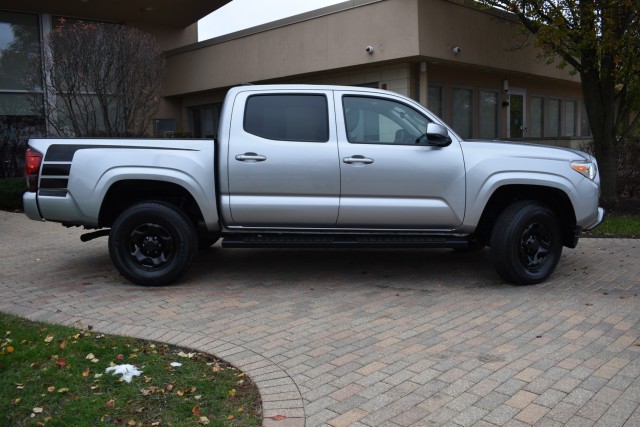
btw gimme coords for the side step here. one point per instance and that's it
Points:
(341, 241)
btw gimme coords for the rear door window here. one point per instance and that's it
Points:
(288, 117)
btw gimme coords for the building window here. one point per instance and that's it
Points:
(553, 128)
(536, 116)
(435, 101)
(20, 117)
(570, 119)
(462, 112)
(489, 100)
(203, 120)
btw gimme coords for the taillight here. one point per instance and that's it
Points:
(32, 162)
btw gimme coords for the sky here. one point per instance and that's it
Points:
(241, 14)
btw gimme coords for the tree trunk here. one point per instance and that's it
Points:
(600, 105)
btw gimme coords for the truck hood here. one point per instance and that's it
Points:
(505, 149)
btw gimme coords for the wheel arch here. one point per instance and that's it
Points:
(125, 193)
(555, 199)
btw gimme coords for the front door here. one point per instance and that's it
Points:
(390, 178)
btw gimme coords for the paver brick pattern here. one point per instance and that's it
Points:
(366, 337)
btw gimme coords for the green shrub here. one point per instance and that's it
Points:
(11, 190)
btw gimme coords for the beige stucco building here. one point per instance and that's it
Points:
(475, 68)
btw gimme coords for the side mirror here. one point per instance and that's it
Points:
(437, 135)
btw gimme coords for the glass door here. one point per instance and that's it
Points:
(516, 121)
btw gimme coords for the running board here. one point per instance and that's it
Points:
(341, 241)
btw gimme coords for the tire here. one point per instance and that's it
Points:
(526, 243)
(152, 243)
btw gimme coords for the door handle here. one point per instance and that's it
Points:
(250, 157)
(357, 159)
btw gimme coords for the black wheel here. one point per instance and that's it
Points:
(526, 243)
(152, 243)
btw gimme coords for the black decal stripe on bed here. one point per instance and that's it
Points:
(53, 193)
(57, 183)
(65, 153)
(56, 169)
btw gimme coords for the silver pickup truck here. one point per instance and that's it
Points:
(316, 166)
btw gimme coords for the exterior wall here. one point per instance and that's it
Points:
(169, 38)
(329, 42)
(486, 39)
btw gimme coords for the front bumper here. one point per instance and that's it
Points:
(597, 222)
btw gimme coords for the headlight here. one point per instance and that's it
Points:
(587, 169)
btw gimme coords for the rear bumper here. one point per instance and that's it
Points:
(30, 205)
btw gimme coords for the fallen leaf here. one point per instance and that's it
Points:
(61, 362)
(63, 390)
(37, 410)
(90, 356)
(120, 356)
(50, 389)
(10, 349)
(196, 411)
(34, 365)
(230, 417)
(186, 355)
(86, 373)
(16, 401)
(62, 345)
(232, 392)
(169, 387)
(48, 339)
(111, 403)
(131, 422)
(204, 421)
(278, 417)
(180, 393)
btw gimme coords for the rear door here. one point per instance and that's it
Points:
(283, 160)
(390, 178)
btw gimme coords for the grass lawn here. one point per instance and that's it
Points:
(56, 376)
(621, 226)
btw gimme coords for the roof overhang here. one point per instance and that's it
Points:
(156, 12)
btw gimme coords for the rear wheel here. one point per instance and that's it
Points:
(526, 243)
(152, 243)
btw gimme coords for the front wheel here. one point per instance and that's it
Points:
(526, 243)
(152, 243)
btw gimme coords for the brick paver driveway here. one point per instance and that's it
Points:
(366, 337)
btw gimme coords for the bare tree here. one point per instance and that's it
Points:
(98, 80)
